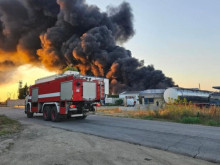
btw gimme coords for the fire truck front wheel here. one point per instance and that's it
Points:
(46, 113)
(55, 116)
(29, 113)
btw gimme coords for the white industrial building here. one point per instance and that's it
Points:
(131, 98)
(150, 99)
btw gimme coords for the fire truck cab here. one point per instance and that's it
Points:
(66, 95)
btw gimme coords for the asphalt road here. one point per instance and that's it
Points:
(202, 142)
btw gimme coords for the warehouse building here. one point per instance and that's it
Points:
(152, 99)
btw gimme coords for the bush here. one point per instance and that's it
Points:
(119, 102)
(113, 96)
(70, 68)
(148, 117)
(191, 120)
(213, 123)
(173, 112)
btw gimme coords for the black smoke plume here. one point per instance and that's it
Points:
(57, 33)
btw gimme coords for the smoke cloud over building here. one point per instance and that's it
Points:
(57, 33)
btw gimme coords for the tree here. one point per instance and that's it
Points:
(23, 92)
(70, 68)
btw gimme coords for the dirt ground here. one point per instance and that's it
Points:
(37, 144)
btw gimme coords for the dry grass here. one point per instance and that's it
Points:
(177, 113)
(111, 112)
(119, 112)
(8, 126)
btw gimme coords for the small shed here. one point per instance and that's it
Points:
(152, 98)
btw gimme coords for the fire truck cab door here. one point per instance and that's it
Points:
(66, 90)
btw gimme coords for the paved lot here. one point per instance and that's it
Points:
(201, 142)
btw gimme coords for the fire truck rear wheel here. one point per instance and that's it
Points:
(46, 113)
(55, 116)
(29, 113)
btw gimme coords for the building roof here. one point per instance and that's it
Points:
(152, 91)
(130, 93)
(146, 92)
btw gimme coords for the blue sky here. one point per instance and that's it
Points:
(180, 37)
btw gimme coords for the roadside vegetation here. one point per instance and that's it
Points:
(8, 126)
(183, 113)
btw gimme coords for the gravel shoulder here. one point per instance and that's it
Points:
(37, 144)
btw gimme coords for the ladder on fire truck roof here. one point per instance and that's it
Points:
(67, 73)
(54, 77)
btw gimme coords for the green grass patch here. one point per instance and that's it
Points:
(8, 126)
(191, 120)
(148, 118)
(213, 123)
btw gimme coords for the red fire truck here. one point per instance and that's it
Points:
(65, 95)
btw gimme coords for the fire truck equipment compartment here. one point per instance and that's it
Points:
(66, 90)
(89, 90)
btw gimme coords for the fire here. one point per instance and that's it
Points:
(48, 55)
(112, 71)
